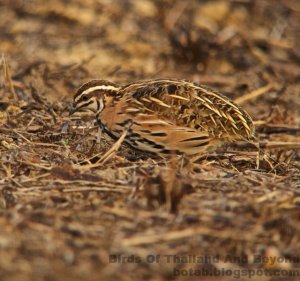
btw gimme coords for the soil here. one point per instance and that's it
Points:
(68, 213)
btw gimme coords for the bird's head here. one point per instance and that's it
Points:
(92, 96)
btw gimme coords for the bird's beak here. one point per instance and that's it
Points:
(73, 109)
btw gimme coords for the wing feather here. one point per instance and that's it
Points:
(191, 105)
(158, 137)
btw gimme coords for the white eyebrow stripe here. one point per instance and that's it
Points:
(101, 87)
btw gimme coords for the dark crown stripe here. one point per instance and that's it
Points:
(92, 84)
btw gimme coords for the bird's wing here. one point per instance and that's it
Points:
(191, 105)
(148, 132)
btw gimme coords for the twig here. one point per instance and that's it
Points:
(36, 178)
(276, 128)
(46, 144)
(7, 76)
(280, 145)
(181, 234)
(174, 14)
(78, 189)
(254, 94)
(35, 165)
(108, 154)
(20, 135)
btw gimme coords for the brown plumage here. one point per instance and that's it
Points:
(165, 115)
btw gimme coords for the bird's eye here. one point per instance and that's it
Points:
(85, 98)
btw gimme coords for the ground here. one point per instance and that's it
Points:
(66, 214)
